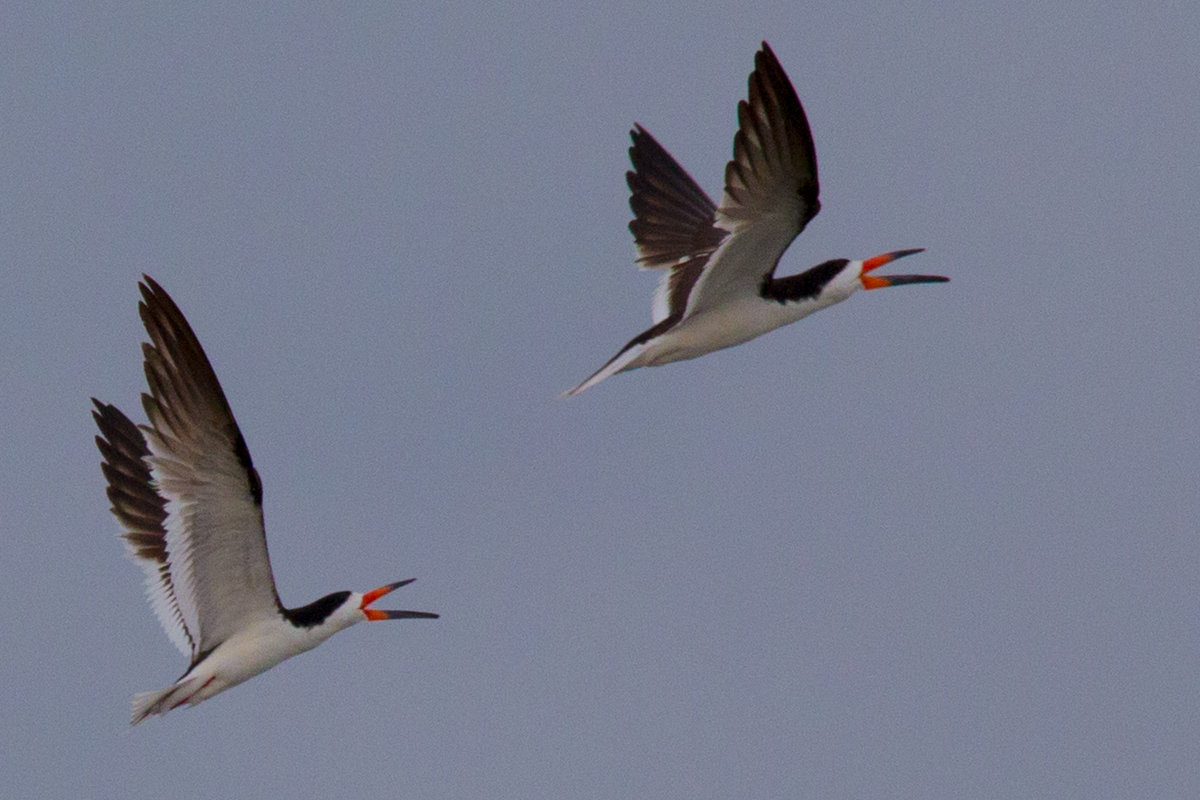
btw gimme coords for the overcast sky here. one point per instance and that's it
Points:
(935, 542)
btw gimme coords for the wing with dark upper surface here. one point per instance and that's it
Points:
(771, 187)
(672, 224)
(216, 546)
(673, 217)
(142, 512)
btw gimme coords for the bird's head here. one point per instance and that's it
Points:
(880, 281)
(338, 611)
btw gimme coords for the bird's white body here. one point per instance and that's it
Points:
(739, 320)
(252, 650)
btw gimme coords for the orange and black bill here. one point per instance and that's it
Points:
(880, 281)
(375, 615)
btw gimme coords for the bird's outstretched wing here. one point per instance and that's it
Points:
(672, 222)
(771, 188)
(190, 498)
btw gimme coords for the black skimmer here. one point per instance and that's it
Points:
(719, 289)
(190, 501)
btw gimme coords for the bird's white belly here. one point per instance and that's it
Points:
(248, 653)
(725, 326)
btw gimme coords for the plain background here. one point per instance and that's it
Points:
(935, 542)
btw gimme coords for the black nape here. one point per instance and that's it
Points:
(316, 612)
(805, 286)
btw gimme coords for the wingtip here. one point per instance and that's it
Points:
(582, 387)
(149, 287)
(569, 392)
(586, 383)
(618, 363)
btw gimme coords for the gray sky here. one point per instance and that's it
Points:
(936, 542)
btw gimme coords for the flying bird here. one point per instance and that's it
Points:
(186, 493)
(719, 287)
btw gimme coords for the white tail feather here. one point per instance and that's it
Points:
(150, 704)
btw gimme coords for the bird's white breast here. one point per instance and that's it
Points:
(732, 324)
